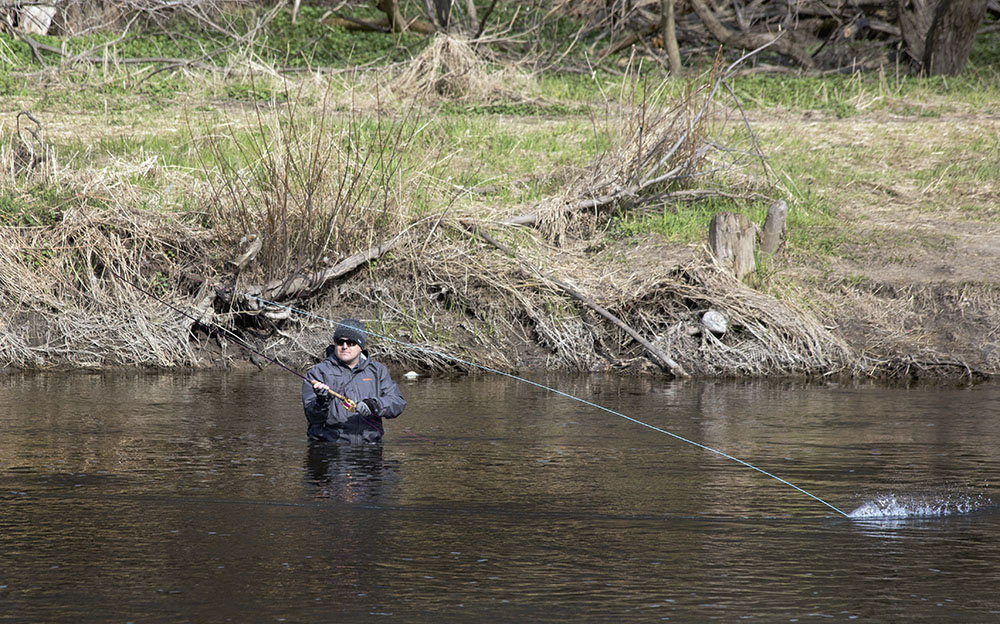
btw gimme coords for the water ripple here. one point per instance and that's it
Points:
(895, 507)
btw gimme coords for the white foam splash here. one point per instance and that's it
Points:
(889, 506)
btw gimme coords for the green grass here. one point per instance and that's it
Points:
(685, 222)
(40, 204)
(522, 160)
(831, 95)
(37, 209)
(891, 90)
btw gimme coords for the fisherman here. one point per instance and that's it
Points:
(347, 395)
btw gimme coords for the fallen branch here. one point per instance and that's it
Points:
(303, 285)
(381, 25)
(97, 60)
(634, 37)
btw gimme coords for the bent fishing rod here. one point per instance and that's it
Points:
(570, 396)
(214, 329)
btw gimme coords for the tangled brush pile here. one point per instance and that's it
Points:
(450, 68)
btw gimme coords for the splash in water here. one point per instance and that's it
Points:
(890, 506)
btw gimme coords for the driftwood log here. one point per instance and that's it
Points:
(305, 284)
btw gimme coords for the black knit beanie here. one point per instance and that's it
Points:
(351, 330)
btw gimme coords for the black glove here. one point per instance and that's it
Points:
(323, 397)
(368, 407)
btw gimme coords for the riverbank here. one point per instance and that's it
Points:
(220, 188)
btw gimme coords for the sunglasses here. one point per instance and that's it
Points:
(344, 342)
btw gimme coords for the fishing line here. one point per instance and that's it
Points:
(326, 503)
(567, 395)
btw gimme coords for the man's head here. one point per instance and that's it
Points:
(350, 330)
(350, 338)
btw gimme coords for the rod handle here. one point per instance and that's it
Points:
(348, 403)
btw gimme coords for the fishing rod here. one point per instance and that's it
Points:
(569, 396)
(212, 328)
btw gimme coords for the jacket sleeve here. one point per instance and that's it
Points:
(390, 399)
(315, 414)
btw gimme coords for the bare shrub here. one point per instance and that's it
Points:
(311, 187)
(656, 148)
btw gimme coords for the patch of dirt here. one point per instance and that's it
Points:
(920, 290)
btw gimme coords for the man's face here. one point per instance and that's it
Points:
(348, 351)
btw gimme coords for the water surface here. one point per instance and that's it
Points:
(196, 498)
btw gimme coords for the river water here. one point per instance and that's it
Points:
(196, 498)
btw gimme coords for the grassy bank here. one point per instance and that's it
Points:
(289, 156)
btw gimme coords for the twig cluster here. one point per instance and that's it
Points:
(815, 35)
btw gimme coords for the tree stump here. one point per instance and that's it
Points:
(732, 238)
(774, 227)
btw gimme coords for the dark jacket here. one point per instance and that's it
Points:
(368, 380)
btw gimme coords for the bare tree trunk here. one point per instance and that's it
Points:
(438, 12)
(774, 227)
(915, 17)
(35, 19)
(443, 8)
(668, 28)
(939, 33)
(391, 10)
(470, 8)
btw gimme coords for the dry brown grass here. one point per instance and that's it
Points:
(63, 304)
(452, 69)
(469, 300)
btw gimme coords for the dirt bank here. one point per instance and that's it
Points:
(904, 283)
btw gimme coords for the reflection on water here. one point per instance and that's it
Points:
(196, 497)
(351, 474)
